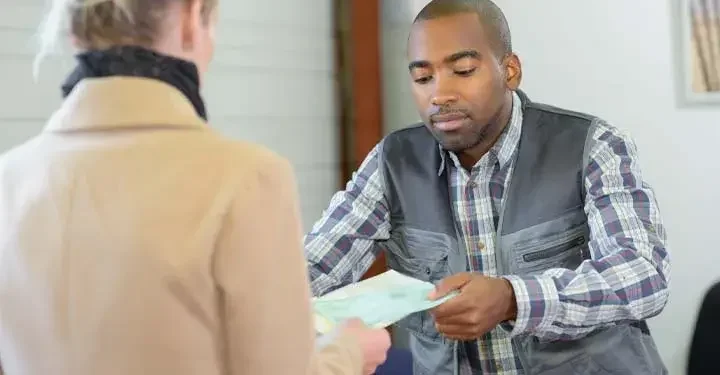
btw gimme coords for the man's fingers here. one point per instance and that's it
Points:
(450, 284)
(456, 306)
(457, 332)
(467, 317)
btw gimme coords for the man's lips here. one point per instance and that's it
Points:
(449, 122)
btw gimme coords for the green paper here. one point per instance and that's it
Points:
(379, 301)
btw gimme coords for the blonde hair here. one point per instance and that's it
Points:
(100, 24)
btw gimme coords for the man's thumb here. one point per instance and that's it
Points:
(449, 284)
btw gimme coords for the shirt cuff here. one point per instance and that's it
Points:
(538, 304)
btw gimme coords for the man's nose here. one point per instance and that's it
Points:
(443, 95)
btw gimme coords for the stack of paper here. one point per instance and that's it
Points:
(378, 301)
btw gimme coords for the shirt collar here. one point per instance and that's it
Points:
(504, 149)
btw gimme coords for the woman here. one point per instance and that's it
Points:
(134, 239)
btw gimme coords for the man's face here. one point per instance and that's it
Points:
(458, 82)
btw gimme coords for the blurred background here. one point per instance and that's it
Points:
(321, 81)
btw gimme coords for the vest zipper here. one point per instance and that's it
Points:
(555, 250)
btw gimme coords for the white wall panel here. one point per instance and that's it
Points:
(271, 82)
(399, 110)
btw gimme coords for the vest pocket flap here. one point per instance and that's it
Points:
(426, 245)
(549, 231)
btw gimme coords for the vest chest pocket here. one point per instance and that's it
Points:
(424, 256)
(564, 250)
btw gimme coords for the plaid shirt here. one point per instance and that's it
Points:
(626, 279)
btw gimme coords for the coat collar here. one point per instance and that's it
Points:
(115, 103)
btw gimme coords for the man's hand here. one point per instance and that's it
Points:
(483, 303)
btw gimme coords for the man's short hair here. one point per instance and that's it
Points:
(490, 15)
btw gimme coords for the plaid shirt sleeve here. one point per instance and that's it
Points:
(340, 248)
(628, 275)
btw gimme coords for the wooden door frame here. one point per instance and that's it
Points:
(359, 85)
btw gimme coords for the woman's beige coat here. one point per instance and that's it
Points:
(136, 240)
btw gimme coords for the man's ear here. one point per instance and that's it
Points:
(513, 71)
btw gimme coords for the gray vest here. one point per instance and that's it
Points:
(542, 225)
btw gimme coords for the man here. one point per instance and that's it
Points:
(538, 216)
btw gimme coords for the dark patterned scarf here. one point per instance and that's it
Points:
(138, 62)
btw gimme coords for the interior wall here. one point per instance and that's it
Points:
(271, 82)
(396, 17)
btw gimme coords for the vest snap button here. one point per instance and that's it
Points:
(427, 270)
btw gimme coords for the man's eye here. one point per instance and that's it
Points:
(465, 72)
(422, 80)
